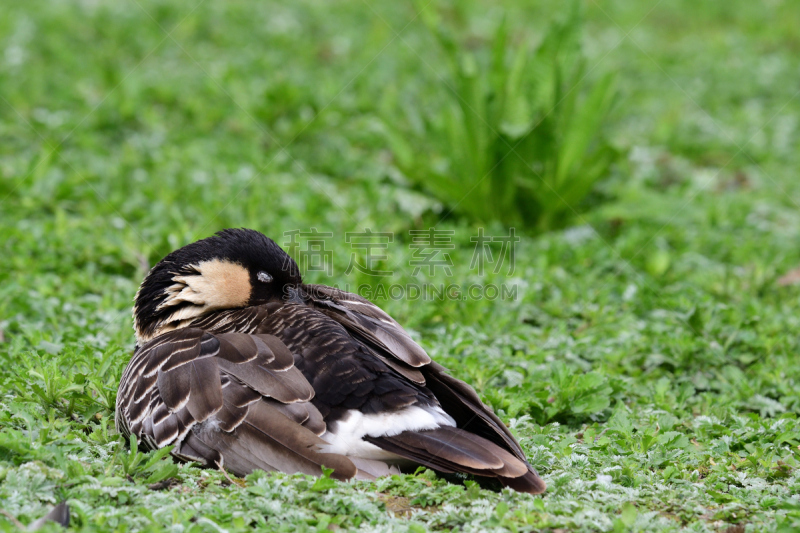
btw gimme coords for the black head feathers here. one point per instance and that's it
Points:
(234, 268)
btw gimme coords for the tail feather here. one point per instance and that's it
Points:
(450, 450)
(512, 466)
(370, 470)
(530, 483)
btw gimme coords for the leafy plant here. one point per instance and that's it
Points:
(559, 394)
(522, 136)
(324, 482)
(157, 467)
(72, 389)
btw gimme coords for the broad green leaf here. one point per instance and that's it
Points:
(324, 482)
(164, 472)
(157, 455)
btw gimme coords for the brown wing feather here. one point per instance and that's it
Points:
(450, 450)
(479, 429)
(368, 322)
(268, 440)
(266, 366)
(195, 385)
(461, 402)
(230, 399)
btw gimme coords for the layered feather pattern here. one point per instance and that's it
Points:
(284, 383)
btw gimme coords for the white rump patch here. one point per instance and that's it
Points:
(345, 436)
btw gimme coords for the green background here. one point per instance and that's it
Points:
(648, 366)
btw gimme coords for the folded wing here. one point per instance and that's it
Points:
(370, 324)
(479, 434)
(231, 399)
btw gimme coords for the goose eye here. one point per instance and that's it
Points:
(264, 277)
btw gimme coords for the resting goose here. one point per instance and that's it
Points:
(240, 365)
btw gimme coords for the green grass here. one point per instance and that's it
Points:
(648, 367)
(522, 139)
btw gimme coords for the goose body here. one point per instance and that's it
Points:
(240, 365)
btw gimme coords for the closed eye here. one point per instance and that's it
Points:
(264, 277)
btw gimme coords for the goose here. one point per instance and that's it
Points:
(241, 366)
